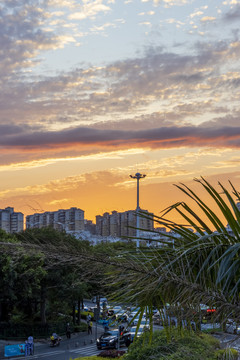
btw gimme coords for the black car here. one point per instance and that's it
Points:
(109, 340)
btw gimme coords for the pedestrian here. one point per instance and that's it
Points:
(88, 318)
(68, 331)
(90, 325)
(29, 347)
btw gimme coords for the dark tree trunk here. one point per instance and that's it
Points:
(74, 314)
(43, 303)
(29, 309)
(79, 312)
(35, 306)
(1, 312)
(98, 301)
(4, 311)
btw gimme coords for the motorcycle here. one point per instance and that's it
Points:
(55, 340)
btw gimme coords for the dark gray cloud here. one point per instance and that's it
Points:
(155, 138)
(232, 120)
(12, 129)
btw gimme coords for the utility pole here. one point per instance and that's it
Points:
(137, 176)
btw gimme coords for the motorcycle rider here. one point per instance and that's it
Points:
(55, 339)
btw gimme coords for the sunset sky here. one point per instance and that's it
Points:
(95, 90)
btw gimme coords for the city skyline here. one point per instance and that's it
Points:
(95, 90)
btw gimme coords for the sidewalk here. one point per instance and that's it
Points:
(77, 340)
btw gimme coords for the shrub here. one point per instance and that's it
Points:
(213, 331)
(177, 345)
(111, 353)
(80, 328)
(226, 354)
(94, 357)
(85, 313)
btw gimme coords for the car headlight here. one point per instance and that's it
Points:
(98, 341)
(112, 341)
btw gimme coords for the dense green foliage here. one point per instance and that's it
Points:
(111, 353)
(81, 327)
(226, 354)
(36, 287)
(95, 357)
(44, 277)
(182, 345)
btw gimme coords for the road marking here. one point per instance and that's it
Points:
(49, 353)
(90, 350)
(87, 350)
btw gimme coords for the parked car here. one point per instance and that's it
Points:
(134, 320)
(141, 330)
(122, 316)
(109, 340)
(114, 310)
(207, 313)
(143, 323)
(91, 309)
(157, 319)
(85, 308)
(132, 315)
(232, 327)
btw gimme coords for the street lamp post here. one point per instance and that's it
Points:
(137, 176)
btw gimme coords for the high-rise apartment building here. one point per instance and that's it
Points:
(90, 227)
(11, 221)
(122, 224)
(69, 220)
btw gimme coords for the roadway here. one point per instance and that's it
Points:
(80, 344)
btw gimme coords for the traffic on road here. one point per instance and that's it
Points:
(115, 326)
